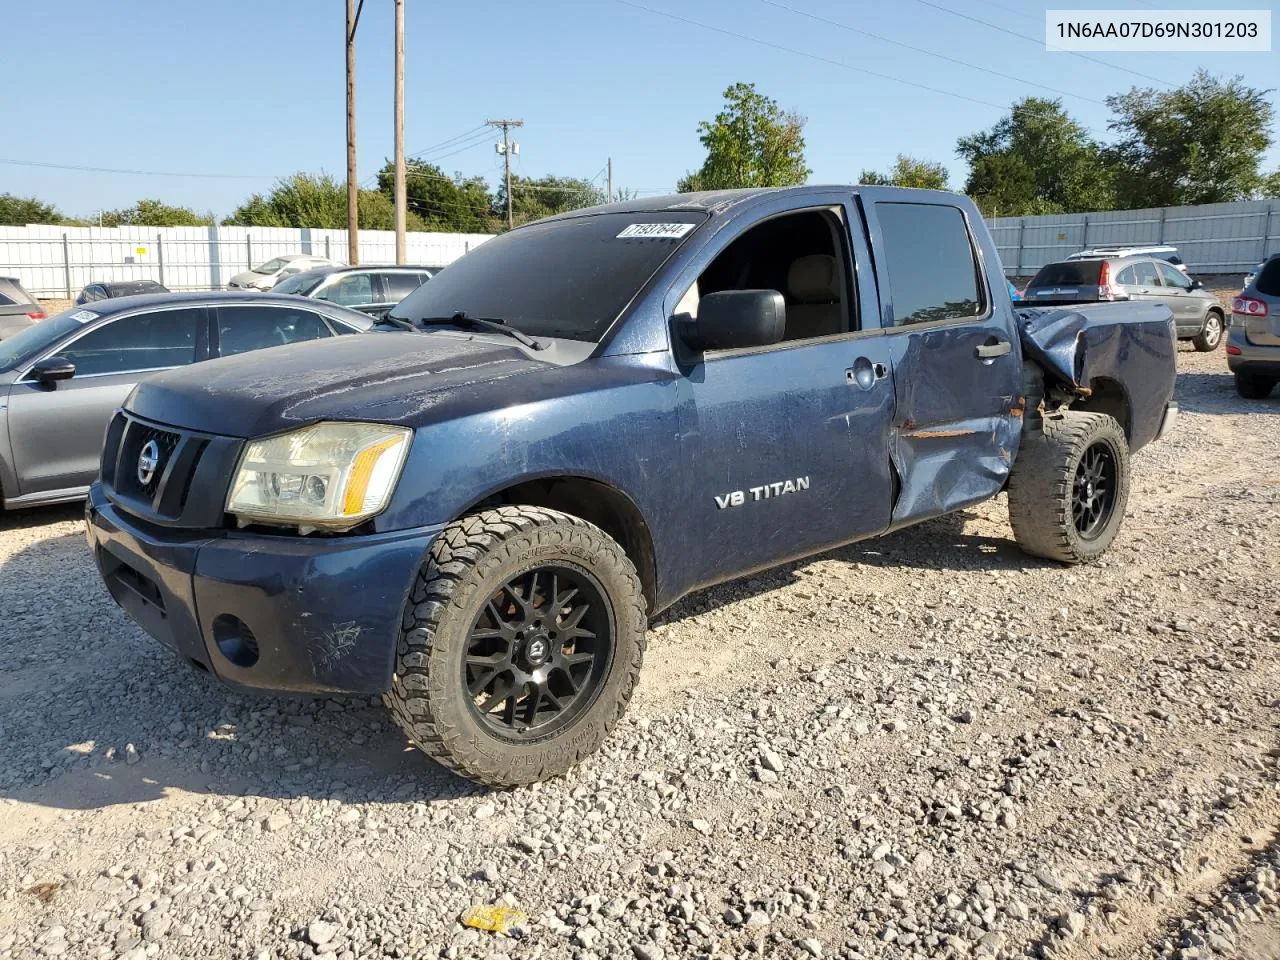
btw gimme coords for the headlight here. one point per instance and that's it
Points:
(330, 475)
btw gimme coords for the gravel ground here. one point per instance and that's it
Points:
(924, 745)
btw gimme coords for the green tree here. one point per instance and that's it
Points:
(1270, 186)
(534, 198)
(1037, 160)
(907, 171)
(1199, 143)
(319, 201)
(19, 211)
(750, 143)
(439, 201)
(155, 213)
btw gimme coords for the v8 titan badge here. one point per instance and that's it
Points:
(736, 498)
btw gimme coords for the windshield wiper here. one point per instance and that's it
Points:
(489, 324)
(400, 322)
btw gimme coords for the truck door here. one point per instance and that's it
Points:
(957, 362)
(788, 443)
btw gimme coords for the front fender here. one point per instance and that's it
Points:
(622, 436)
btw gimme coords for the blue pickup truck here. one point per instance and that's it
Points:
(474, 509)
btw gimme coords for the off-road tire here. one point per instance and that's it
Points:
(1212, 335)
(1041, 486)
(1254, 387)
(471, 559)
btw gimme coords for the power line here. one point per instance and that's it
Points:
(810, 56)
(139, 173)
(1017, 13)
(445, 156)
(444, 143)
(450, 149)
(929, 53)
(1038, 42)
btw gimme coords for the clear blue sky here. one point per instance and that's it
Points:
(239, 87)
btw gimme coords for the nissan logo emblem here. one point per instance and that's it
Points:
(148, 461)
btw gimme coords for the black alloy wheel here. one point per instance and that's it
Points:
(538, 652)
(1094, 490)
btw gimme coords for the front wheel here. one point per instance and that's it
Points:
(1069, 486)
(521, 645)
(1210, 335)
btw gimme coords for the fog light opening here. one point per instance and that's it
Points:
(235, 640)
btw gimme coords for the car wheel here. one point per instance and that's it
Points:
(1210, 335)
(521, 645)
(1253, 387)
(1069, 487)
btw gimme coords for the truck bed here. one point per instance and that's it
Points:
(1086, 347)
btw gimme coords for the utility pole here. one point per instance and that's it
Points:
(609, 198)
(353, 210)
(399, 145)
(505, 148)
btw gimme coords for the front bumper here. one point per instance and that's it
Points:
(278, 614)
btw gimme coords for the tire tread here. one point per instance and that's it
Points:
(1040, 484)
(455, 557)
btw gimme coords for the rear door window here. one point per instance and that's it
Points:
(1144, 274)
(349, 290)
(245, 328)
(143, 341)
(396, 286)
(933, 273)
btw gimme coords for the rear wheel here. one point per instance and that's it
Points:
(1210, 335)
(520, 647)
(1069, 487)
(1254, 387)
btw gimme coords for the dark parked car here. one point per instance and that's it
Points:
(588, 417)
(18, 309)
(1198, 314)
(61, 379)
(1253, 343)
(109, 289)
(373, 290)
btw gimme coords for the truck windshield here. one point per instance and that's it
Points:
(566, 278)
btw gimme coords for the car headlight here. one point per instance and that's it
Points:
(331, 476)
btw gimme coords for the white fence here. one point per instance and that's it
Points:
(53, 261)
(1211, 238)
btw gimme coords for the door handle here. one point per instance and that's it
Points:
(865, 374)
(988, 351)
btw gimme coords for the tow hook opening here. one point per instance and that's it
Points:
(235, 640)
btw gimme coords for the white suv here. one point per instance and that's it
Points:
(267, 275)
(1167, 254)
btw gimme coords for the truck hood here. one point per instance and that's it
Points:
(394, 377)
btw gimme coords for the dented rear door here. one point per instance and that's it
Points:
(954, 349)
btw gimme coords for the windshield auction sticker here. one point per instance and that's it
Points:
(655, 231)
(1227, 31)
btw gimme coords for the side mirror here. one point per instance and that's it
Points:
(52, 369)
(735, 319)
(1196, 285)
